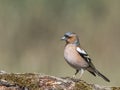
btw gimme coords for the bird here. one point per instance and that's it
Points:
(77, 57)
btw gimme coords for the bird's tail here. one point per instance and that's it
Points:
(101, 75)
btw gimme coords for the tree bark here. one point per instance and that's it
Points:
(32, 81)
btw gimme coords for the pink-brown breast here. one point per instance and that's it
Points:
(73, 57)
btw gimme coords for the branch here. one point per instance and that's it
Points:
(31, 81)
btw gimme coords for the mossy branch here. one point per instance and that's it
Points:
(31, 81)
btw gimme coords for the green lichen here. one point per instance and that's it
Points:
(115, 88)
(28, 80)
(82, 86)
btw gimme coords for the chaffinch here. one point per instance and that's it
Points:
(77, 57)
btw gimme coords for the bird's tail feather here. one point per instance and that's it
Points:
(93, 73)
(101, 75)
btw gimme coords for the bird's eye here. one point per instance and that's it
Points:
(67, 36)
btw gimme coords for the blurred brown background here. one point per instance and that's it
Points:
(30, 32)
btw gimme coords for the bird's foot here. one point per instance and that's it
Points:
(75, 79)
(74, 76)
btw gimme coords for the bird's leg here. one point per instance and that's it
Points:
(81, 72)
(75, 73)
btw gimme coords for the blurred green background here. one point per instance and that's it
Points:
(30, 32)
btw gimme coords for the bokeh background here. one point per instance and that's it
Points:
(30, 32)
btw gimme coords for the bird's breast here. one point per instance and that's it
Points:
(73, 57)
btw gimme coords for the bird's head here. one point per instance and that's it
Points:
(71, 38)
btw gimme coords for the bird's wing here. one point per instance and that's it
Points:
(84, 55)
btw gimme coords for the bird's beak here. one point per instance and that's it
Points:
(63, 38)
